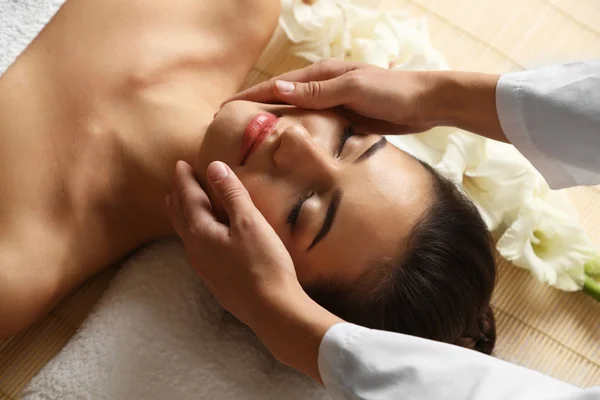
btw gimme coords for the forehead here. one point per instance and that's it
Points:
(383, 198)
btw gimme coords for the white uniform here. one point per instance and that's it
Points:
(552, 115)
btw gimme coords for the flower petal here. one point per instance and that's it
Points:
(516, 238)
(369, 51)
(554, 249)
(463, 150)
(572, 280)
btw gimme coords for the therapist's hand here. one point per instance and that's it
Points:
(246, 266)
(388, 102)
(242, 261)
(381, 100)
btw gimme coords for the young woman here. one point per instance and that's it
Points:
(98, 109)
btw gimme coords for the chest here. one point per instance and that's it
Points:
(100, 106)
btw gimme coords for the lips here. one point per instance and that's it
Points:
(255, 133)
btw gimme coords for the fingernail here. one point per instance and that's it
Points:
(284, 87)
(217, 171)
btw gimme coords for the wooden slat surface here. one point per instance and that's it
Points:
(541, 328)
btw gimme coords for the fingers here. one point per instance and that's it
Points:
(260, 93)
(266, 92)
(189, 207)
(231, 193)
(316, 95)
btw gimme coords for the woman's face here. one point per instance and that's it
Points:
(339, 202)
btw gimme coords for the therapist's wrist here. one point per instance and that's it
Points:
(465, 100)
(291, 325)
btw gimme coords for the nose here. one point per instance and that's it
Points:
(300, 157)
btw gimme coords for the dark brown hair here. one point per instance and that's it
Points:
(439, 288)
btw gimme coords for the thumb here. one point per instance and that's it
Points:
(230, 191)
(315, 95)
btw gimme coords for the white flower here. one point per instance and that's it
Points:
(547, 239)
(499, 183)
(464, 152)
(356, 30)
(413, 50)
(495, 176)
(310, 22)
(330, 28)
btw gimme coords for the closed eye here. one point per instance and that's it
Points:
(347, 133)
(296, 208)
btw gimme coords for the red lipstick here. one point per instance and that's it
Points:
(255, 133)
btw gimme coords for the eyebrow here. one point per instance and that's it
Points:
(334, 205)
(371, 151)
(338, 194)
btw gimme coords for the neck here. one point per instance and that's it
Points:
(150, 189)
(172, 130)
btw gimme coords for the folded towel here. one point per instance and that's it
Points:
(159, 334)
(20, 22)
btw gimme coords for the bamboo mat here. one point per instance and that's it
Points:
(538, 327)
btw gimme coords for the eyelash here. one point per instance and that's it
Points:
(347, 133)
(293, 216)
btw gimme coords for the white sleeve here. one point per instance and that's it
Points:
(360, 363)
(552, 116)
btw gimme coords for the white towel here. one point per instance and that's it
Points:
(20, 22)
(157, 333)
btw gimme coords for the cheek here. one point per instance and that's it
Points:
(218, 144)
(270, 199)
(274, 201)
(223, 137)
(308, 274)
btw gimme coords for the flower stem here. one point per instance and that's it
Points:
(592, 287)
(592, 268)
